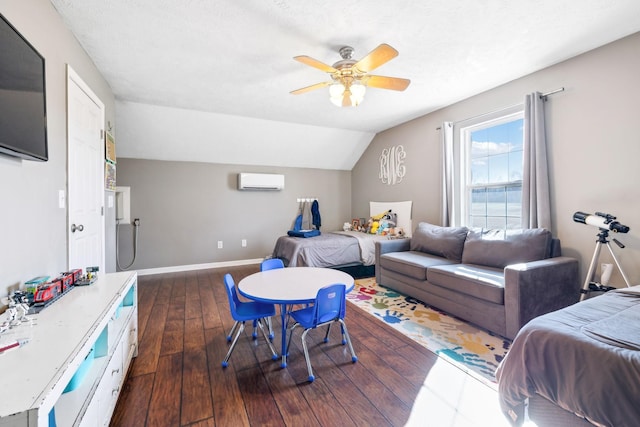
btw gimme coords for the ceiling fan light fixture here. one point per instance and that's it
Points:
(350, 77)
(357, 92)
(341, 96)
(336, 90)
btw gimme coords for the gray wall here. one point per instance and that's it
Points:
(33, 227)
(185, 208)
(594, 149)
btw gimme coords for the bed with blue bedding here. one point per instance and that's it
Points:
(333, 249)
(340, 248)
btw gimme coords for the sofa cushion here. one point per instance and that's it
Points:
(499, 248)
(485, 283)
(446, 242)
(411, 263)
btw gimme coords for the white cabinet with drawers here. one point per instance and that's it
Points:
(72, 369)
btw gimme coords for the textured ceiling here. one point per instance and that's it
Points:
(234, 58)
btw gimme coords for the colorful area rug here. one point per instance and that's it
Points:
(472, 349)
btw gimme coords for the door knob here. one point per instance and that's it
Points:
(76, 227)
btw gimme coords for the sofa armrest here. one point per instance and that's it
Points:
(392, 245)
(535, 288)
(387, 246)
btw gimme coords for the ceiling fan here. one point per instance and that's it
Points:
(349, 78)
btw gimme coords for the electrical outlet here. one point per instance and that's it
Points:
(219, 244)
(244, 243)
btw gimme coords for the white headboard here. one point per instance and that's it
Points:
(402, 209)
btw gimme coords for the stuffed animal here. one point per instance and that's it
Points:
(374, 227)
(346, 226)
(384, 227)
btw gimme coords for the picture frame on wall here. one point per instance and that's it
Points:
(110, 148)
(109, 176)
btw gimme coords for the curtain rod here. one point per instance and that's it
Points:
(543, 96)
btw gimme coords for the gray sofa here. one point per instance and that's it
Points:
(498, 280)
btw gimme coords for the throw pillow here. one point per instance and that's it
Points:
(499, 248)
(446, 242)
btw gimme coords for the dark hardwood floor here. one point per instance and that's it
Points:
(177, 378)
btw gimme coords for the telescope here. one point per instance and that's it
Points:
(601, 220)
(605, 222)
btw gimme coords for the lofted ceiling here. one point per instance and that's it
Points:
(203, 80)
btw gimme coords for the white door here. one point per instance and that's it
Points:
(85, 123)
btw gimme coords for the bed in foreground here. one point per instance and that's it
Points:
(582, 360)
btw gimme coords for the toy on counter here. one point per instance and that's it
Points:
(31, 286)
(66, 280)
(17, 310)
(89, 277)
(14, 344)
(47, 292)
(76, 273)
(41, 291)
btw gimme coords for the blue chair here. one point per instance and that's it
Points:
(271, 264)
(242, 312)
(329, 307)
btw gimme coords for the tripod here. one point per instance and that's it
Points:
(589, 284)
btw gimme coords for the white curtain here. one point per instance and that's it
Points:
(536, 210)
(446, 138)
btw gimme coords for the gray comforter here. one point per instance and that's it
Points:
(327, 250)
(584, 358)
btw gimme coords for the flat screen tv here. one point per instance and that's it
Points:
(23, 116)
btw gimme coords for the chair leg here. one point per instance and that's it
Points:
(306, 355)
(290, 335)
(274, 355)
(233, 328)
(326, 337)
(271, 335)
(254, 334)
(225, 362)
(345, 332)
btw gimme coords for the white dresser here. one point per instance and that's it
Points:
(74, 365)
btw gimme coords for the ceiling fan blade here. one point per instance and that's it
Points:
(376, 58)
(309, 88)
(382, 82)
(307, 60)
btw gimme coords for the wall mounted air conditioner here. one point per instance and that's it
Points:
(260, 181)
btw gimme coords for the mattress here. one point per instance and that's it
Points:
(327, 250)
(584, 358)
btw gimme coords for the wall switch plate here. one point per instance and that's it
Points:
(219, 244)
(244, 243)
(62, 200)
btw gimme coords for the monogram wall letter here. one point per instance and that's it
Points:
(392, 168)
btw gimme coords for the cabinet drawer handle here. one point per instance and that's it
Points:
(115, 371)
(115, 391)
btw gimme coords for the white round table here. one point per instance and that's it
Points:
(293, 285)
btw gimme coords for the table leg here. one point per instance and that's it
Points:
(283, 314)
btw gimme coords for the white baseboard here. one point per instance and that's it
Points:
(192, 267)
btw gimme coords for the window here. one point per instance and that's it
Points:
(492, 153)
